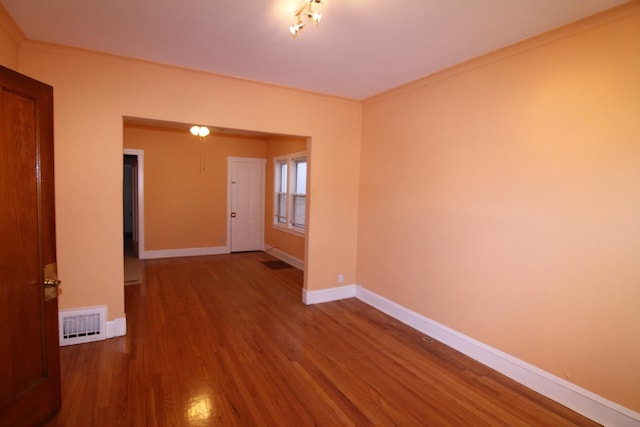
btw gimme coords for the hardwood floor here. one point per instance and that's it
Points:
(224, 340)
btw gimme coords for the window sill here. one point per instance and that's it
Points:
(288, 230)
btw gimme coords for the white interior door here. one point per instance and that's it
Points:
(246, 187)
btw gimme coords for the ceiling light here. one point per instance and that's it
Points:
(201, 131)
(306, 11)
(295, 29)
(315, 17)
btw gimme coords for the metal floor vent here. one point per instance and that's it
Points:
(82, 325)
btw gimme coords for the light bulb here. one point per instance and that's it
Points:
(294, 29)
(200, 131)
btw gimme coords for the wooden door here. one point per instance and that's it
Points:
(29, 353)
(246, 189)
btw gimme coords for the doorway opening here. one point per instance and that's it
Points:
(191, 209)
(130, 164)
(133, 163)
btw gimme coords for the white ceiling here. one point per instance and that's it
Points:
(361, 47)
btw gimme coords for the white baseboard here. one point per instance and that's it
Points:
(568, 394)
(283, 256)
(117, 327)
(328, 295)
(175, 253)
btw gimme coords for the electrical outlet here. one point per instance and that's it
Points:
(340, 278)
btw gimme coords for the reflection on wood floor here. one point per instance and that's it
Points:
(224, 340)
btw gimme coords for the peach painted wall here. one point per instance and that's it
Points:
(92, 94)
(291, 244)
(501, 199)
(10, 38)
(186, 208)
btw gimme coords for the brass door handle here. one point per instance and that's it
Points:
(52, 283)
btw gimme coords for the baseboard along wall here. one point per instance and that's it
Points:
(583, 401)
(218, 250)
(117, 327)
(283, 256)
(175, 253)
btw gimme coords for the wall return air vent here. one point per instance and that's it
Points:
(82, 325)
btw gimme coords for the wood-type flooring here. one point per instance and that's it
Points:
(224, 340)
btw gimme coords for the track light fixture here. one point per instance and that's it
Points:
(305, 14)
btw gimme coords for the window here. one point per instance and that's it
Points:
(281, 191)
(290, 204)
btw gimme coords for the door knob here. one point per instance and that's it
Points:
(51, 282)
(233, 214)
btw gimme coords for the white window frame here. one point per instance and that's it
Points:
(279, 218)
(290, 160)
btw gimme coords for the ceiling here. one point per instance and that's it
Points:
(360, 48)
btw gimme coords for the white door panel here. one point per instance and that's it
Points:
(246, 203)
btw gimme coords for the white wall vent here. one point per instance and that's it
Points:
(82, 325)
